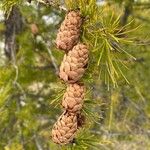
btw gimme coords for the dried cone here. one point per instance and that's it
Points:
(74, 63)
(34, 29)
(73, 98)
(69, 31)
(65, 128)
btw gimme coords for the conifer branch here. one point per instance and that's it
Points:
(53, 60)
(28, 126)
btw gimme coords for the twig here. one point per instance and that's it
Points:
(38, 145)
(53, 60)
(15, 82)
(16, 78)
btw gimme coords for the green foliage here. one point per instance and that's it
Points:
(7, 5)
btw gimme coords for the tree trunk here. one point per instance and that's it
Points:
(13, 25)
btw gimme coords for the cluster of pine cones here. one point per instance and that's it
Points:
(71, 70)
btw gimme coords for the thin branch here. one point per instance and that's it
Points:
(53, 60)
(38, 144)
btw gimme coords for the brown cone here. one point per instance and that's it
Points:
(73, 98)
(69, 31)
(34, 29)
(74, 63)
(65, 128)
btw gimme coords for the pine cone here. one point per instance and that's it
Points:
(34, 29)
(65, 128)
(73, 98)
(74, 63)
(69, 31)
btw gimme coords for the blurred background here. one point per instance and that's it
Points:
(117, 103)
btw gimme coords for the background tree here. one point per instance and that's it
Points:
(117, 105)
